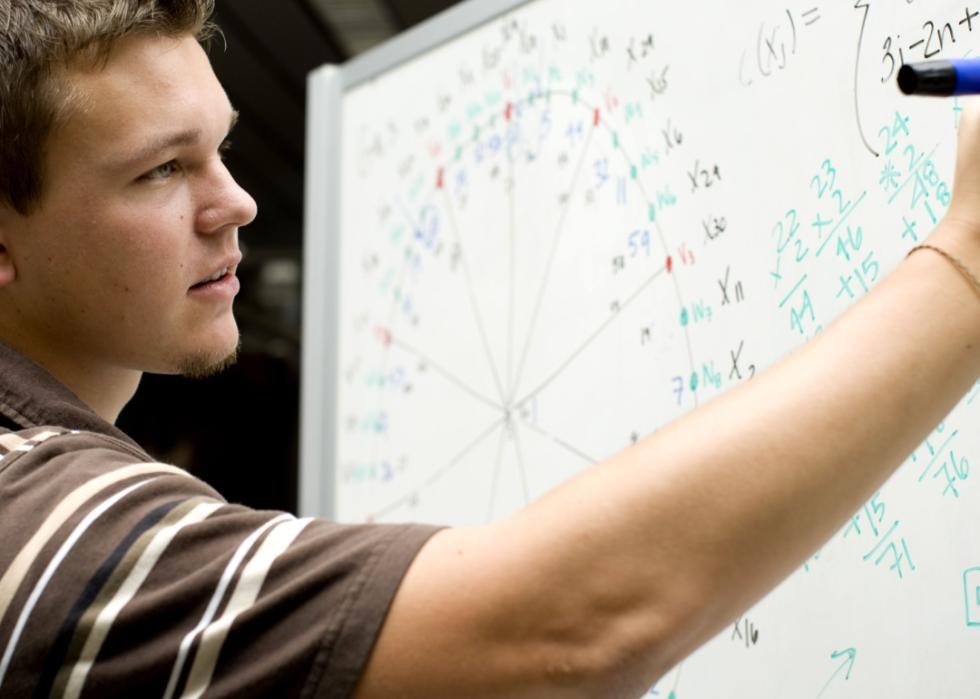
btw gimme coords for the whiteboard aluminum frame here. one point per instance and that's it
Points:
(321, 237)
(321, 287)
(425, 37)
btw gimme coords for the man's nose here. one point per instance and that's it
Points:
(228, 204)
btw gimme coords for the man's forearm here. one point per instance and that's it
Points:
(698, 521)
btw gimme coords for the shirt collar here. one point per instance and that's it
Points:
(31, 397)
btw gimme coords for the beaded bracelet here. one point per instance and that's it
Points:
(960, 267)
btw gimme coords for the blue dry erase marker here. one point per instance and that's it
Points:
(941, 78)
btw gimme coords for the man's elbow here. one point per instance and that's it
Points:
(619, 655)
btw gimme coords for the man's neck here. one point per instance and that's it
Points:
(106, 390)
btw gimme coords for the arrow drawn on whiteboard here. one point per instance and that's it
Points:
(850, 654)
(859, 5)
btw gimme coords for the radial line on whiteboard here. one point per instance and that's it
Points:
(592, 338)
(394, 505)
(520, 461)
(496, 475)
(562, 443)
(471, 293)
(532, 327)
(459, 383)
(675, 277)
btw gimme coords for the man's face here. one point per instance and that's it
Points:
(138, 214)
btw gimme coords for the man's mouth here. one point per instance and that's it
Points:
(216, 277)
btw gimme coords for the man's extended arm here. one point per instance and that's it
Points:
(601, 586)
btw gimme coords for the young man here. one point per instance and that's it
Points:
(122, 577)
(118, 247)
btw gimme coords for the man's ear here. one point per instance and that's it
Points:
(7, 270)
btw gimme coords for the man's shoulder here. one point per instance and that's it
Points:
(47, 441)
(15, 442)
(51, 461)
(104, 545)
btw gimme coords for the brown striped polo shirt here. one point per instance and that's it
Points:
(122, 577)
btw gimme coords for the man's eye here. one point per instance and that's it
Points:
(162, 172)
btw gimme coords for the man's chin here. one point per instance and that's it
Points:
(202, 366)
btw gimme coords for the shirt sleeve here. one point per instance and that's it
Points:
(126, 578)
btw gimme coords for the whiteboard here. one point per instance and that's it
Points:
(537, 231)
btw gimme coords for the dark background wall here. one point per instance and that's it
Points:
(239, 430)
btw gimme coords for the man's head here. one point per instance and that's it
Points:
(115, 206)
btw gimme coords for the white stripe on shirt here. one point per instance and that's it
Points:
(219, 594)
(245, 594)
(53, 565)
(130, 586)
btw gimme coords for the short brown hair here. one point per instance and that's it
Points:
(40, 37)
